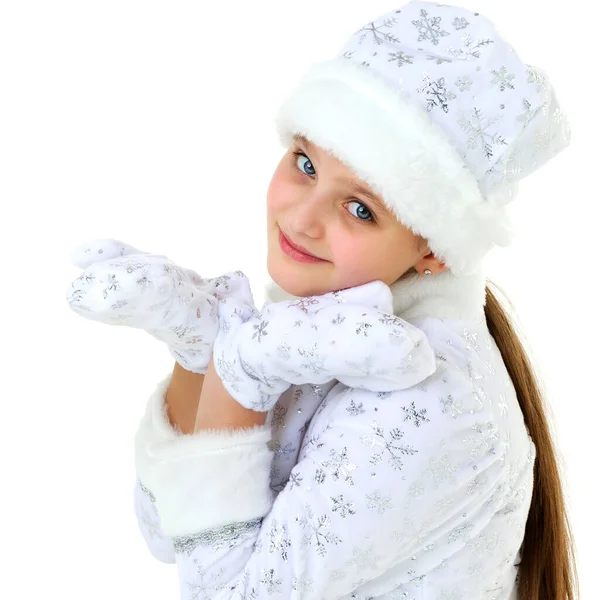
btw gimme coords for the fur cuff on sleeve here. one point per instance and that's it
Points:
(204, 480)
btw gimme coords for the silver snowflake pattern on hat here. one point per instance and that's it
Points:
(467, 65)
(429, 28)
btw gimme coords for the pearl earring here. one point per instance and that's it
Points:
(427, 272)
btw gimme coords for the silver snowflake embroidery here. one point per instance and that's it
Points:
(463, 83)
(470, 47)
(442, 506)
(316, 532)
(119, 304)
(441, 469)
(482, 444)
(417, 416)
(477, 390)
(364, 559)
(305, 303)
(475, 568)
(460, 23)
(439, 60)
(376, 33)
(303, 585)
(471, 339)
(478, 134)
(416, 580)
(416, 489)
(199, 587)
(340, 466)
(112, 286)
(390, 447)
(314, 362)
(503, 78)
(449, 405)
(355, 410)
(260, 330)
(295, 480)
(274, 473)
(86, 278)
(341, 507)
(146, 284)
(460, 533)
(476, 484)
(400, 58)
(378, 502)
(268, 580)
(283, 451)
(506, 170)
(429, 28)
(279, 539)
(436, 93)
(484, 543)
(363, 327)
(338, 320)
(537, 77)
(151, 523)
(407, 365)
(279, 412)
(130, 267)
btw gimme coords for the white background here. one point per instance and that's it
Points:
(151, 122)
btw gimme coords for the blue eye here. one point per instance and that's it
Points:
(300, 154)
(365, 210)
(370, 217)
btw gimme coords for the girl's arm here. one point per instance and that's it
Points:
(218, 410)
(183, 397)
(374, 500)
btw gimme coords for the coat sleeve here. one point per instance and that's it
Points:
(160, 545)
(380, 481)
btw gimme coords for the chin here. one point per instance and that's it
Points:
(294, 281)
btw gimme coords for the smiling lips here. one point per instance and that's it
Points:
(295, 251)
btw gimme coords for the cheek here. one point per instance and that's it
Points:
(279, 192)
(359, 257)
(350, 253)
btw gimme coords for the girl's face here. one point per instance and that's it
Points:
(313, 200)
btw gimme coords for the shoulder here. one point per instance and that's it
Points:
(408, 450)
(453, 412)
(466, 411)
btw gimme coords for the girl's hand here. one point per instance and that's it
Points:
(350, 335)
(121, 285)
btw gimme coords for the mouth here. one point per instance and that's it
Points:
(295, 250)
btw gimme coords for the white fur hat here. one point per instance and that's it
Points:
(437, 113)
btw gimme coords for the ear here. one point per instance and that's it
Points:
(431, 262)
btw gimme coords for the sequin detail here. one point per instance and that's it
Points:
(227, 536)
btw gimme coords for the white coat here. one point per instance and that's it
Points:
(419, 494)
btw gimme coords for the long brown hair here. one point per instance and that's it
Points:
(547, 569)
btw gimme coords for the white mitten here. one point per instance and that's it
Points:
(350, 335)
(122, 285)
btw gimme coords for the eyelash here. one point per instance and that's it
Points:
(299, 153)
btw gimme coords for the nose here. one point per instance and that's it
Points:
(309, 214)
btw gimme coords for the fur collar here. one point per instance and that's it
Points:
(443, 295)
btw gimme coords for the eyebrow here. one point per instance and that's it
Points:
(356, 187)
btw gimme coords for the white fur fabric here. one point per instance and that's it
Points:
(204, 480)
(391, 143)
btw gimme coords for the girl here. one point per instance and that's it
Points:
(376, 430)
